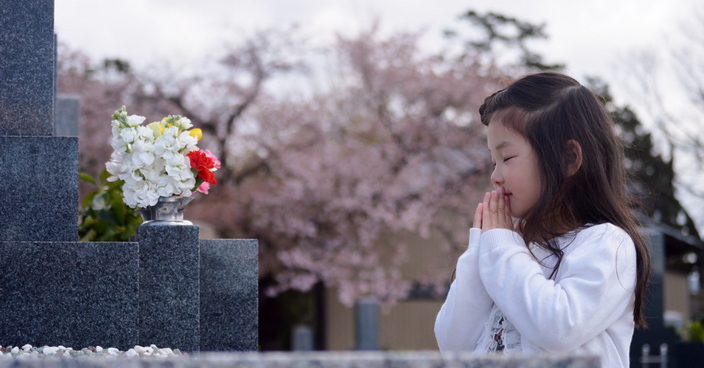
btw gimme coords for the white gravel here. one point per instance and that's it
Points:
(29, 351)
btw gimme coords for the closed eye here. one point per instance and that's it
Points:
(508, 158)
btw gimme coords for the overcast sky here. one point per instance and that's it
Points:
(589, 36)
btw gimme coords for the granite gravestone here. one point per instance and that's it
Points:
(38, 172)
(57, 291)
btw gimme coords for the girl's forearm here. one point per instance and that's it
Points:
(461, 319)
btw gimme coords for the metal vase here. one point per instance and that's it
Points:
(167, 211)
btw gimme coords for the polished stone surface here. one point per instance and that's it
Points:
(169, 286)
(39, 186)
(68, 293)
(26, 67)
(229, 295)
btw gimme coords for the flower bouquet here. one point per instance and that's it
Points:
(159, 160)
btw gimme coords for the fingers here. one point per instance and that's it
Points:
(501, 210)
(495, 211)
(507, 210)
(486, 215)
(478, 216)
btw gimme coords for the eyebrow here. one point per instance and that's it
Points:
(502, 145)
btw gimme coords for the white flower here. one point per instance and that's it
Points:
(140, 194)
(167, 141)
(145, 133)
(134, 120)
(185, 123)
(187, 140)
(118, 144)
(129, 134)
(151, 163)
(166, 190)
(114, 166)
(143, 153)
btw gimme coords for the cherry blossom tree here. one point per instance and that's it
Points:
(325, 181)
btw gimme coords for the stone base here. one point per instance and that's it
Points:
(169, 286)
(229, 295)
(170, 289)
(69, 293)
(39, 186)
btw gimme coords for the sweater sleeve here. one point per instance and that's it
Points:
(461, 319)
(593, 290)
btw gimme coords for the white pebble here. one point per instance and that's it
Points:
(148, 350)
(131, 353)
(50, 350)
(61, 347)
(113, 351)
(15, 350)
(167, 351)
(98, 349)
(139, 349)
(27, 347)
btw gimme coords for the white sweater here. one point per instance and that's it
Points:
(587, 308)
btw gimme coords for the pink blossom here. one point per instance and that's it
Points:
(203, 188)
(212, 157)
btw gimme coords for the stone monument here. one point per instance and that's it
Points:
(169, 288)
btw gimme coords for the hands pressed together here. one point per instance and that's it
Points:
(494, 212)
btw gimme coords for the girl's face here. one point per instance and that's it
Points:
(515, 167)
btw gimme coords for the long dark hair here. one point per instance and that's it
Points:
(549, 109)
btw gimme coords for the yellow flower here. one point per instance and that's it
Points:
(197, 133)
(157, 128)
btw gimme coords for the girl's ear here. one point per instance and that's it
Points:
(573, 155)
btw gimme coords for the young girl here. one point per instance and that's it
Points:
(555, 263)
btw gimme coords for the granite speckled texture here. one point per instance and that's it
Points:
(26, 67)
(66, 113)
(169, 301)
(39, 186)
(68, 293)
(229, 295)
(315, 359)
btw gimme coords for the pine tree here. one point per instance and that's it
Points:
(652, 175)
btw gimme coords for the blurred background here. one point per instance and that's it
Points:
(350, 139)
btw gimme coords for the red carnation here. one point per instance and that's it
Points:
(203, 164)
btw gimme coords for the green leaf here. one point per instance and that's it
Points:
(88, 200)
(90, 236)
(87, 178)
(109, 234)
(104, 176)
(119, 209)
(105, 217)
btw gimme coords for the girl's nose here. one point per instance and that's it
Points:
(496, 178)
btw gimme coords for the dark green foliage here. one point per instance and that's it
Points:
(105, 216)
(118, 65)
(512, 33)
(653, 175)
(695, 332)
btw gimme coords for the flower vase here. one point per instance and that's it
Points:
(167, 211)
